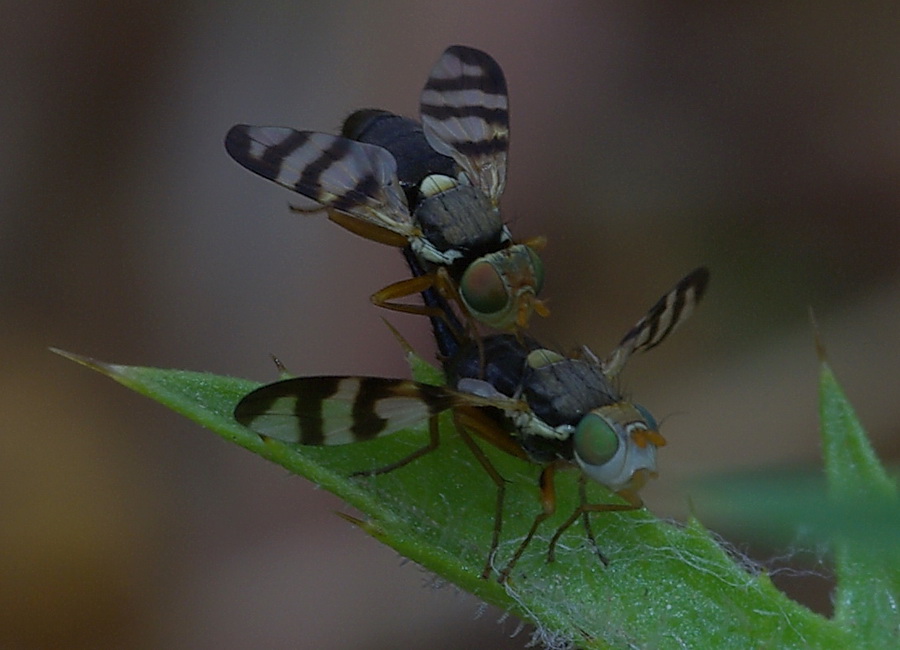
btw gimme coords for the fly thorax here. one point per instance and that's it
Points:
(615, 445)
(561, 391)
(457, 217)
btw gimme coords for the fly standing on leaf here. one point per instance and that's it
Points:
(529, 401)
(433, 187)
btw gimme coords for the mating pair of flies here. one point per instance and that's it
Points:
(433, 189)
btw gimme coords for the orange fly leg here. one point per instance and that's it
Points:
(448, 289)
(385, 297)
(367, 229)
(438, 280)
(433, 442)
(583, 510)
(548, 507)
(474, 421)
(478, 422)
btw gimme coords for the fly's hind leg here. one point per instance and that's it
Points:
(434, 440)
(475, 421)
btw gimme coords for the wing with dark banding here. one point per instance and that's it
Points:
(349, 177)
(340, 410)
(465, 114)
(663, 318)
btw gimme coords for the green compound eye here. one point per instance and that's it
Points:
(483, 290)
(595, 440)
(538, 268)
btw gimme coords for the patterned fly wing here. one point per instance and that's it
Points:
(434, 188)
(465, 114)
(339, 410)
(663, 318)
(342, 410)
(343, 175)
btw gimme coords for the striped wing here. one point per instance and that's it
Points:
(663, 318)
(350, 177)
(465, 115)
(339, 410)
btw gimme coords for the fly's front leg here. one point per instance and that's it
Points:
(584, 510)
(437, 280)
(386, 297)
(448, 289)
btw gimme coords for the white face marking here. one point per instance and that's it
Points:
(630, 457)
(617, 473)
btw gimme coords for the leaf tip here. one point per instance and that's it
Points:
(90, 362)
(109, 369)
(283, 372)
(821, 350)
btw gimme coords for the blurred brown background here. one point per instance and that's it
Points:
(647, 139)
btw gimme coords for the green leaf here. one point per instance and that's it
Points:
(853, 507)
(666, 586)
(778, 506)
(868, 581)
